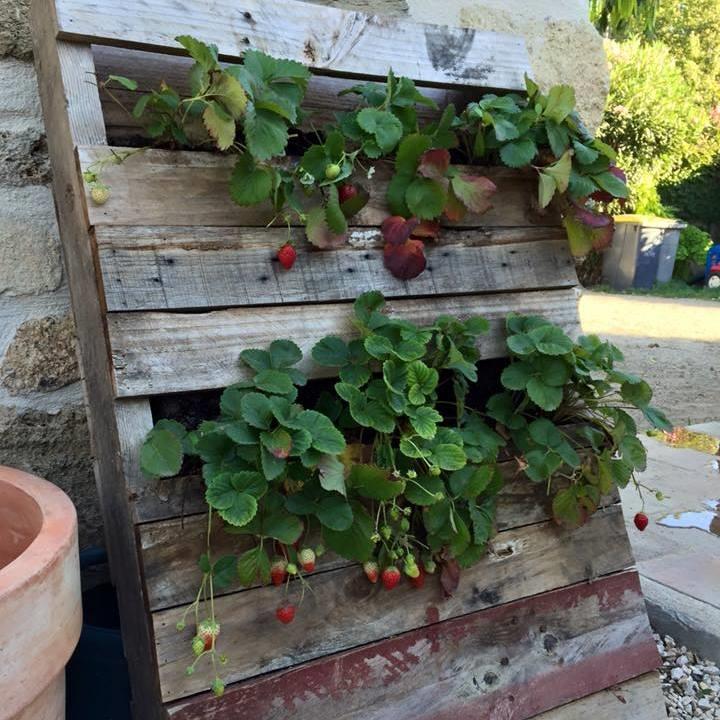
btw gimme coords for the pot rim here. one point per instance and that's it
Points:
(57, 531)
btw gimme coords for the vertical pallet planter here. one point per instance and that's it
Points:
(170, 281)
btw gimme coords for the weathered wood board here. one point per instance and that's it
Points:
(178, 270)
(591, 635)
(341, 612)
(184, 188)
(171, 547)
(155, 353)
(324, 38)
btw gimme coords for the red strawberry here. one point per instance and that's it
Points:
(306, 558)
(278, 571)
(390, 577)
(346, 192)
(641, 521)
(208, 631)
(286, 255)
(419, 581)
(285, 614)
(371, 571)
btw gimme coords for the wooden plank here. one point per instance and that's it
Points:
(325, 38)
(342, 611)
(171, 548)
(164, 187)
(174, 271)
(156, 353)
(59, 102)
(148, 69)
(638, 699)
(84, 110)
(507, 663)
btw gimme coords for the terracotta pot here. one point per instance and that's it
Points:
(40, 610)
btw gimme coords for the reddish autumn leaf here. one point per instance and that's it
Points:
(603, 195)
(588, 230)
(454, 209)
(475, 192)
(405, 260)
(396, 229)
(427, 229)
(449, 575)
(434, 163)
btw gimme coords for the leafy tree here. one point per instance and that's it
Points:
(621, 18)
(662, 130)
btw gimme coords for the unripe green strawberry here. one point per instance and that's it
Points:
(291, 569)
(386, 532)
(319, 550)
(332, 171)
(412, 571)
(395, 513)
(435, 470)
(404, 524)
(198, 646)
(430, 566)
(218, 687)
(306, 558)
(100, 194)
(411, 474)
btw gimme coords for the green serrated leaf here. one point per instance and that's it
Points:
(250, 183)
(219, 124)
(518, 153)
(161, 454)
(266, 134)
(546, 189)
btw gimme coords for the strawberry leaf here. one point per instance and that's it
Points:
(219, 124)
(546, 189)
(434, 164)
(250, 183)
(454, 210)
(405, 260)
(474, 192)
(425, 198)
(560, 171)
(266, 133)
(318, 232)
(518, 153)
(396, 230)
(334, 216)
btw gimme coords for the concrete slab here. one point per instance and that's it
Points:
(679, 567)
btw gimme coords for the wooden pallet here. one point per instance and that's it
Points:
(170, 280)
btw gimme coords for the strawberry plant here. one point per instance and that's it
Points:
(545, 132)
(397, 470)
(565, 411)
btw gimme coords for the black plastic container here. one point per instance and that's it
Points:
(98, 686)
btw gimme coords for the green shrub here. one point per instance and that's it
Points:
(694, 244)
(662, 131)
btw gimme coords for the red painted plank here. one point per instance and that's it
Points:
(505, 663)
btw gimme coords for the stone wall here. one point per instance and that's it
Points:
(42, 422)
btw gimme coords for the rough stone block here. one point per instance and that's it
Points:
(57, 448)
(20, 106)
(30, 259)
(41, 356)
(15, 29)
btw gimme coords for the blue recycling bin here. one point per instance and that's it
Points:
(97, 680)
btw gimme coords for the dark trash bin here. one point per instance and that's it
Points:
(642, 251)
(97, 682)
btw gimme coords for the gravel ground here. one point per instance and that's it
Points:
(691, 685)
